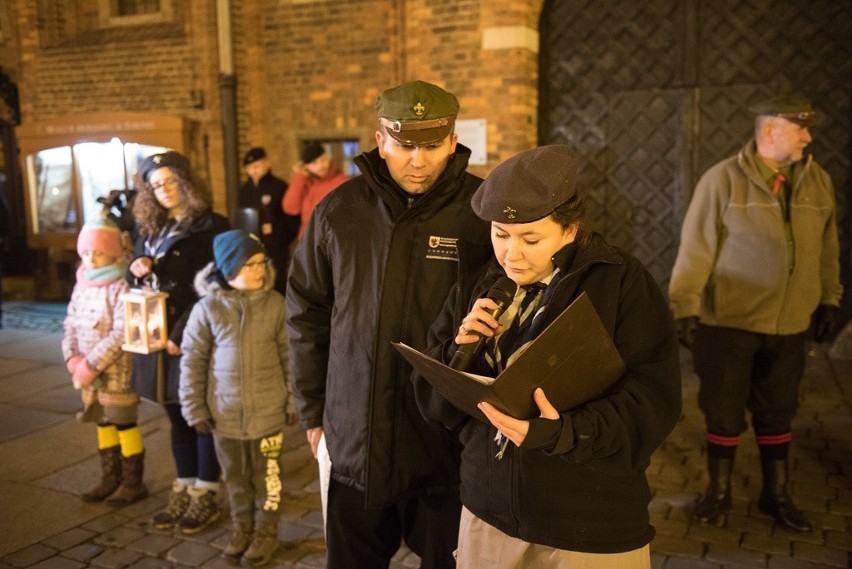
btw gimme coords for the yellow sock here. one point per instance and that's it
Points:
(107, 436)
(131, 441)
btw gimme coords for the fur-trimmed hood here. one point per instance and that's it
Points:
(210, 281)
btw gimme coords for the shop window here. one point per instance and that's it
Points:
(96, 168)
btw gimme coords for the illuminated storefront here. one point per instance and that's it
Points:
(69, 163)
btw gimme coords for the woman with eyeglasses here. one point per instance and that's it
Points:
(175, 230)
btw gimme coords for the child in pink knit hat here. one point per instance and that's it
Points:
(91, 346)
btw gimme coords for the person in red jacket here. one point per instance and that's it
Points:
(314, 177)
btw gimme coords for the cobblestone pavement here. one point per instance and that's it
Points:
(47, 459)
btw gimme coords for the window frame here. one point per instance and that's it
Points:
(108, 18)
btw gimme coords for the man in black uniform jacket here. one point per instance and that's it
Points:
(261, 196)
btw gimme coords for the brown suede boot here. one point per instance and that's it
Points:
(263, 545)
(132, 488)
(110, 475)
(239, 541)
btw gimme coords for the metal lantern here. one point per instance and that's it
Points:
(144, 321)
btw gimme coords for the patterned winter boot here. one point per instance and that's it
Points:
(132, 487)
(110, 475)
(203, 511)
(175, 509)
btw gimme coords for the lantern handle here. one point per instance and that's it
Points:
(150, 281)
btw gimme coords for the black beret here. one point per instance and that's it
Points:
(528, 186)
(312, 151)
(794, 108)
(253, 155)
(417, 112)
(176, 161)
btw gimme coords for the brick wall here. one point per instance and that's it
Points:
(312, 69)
(316, 68)
(304, 68)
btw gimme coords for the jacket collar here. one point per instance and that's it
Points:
(747, 159)
(375, 171)
(597, 251)
(208, 281)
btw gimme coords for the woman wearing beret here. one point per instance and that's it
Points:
(175, 229)
(567, 487)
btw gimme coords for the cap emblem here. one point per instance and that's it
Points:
(157, 159)
(510, 212)
(801, 116)
(419, 110)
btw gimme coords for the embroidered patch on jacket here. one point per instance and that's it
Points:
(442, 248)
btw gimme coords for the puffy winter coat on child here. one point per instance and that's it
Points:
(235, 358)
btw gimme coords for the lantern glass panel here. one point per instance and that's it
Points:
(156, 330)
(136, 326)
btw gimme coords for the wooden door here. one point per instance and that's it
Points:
(652, 93)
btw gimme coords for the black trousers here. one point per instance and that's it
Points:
(368, 539)
(742, 370)
(194, 452)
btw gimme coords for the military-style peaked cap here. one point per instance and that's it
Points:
(417, 112)
(794, 108)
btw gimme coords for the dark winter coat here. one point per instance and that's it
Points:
(580, 484)
(175, 272)
(270, 189)
(375, 266)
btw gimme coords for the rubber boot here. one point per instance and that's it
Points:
(775, 497)
(132, 487)
(110, 475)
(717, 499)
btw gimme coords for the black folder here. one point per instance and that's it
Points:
(573, 360)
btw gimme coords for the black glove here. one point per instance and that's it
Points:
(686, 330)
(825, 322)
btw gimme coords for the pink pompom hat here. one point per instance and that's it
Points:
(101, 234)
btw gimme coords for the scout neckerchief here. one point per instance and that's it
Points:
(530, 303)
(157, 246)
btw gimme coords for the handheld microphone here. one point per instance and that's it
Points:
(502, 292)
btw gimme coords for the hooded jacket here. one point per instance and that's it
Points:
(734, 267)
(578, 484)
(234, 364)
(374, 266)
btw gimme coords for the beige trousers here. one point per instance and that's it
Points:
(482, 545)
